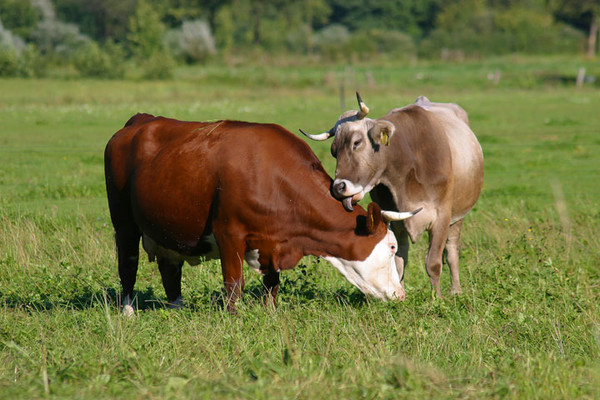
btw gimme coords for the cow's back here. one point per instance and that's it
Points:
(182, 175)
(431, 132)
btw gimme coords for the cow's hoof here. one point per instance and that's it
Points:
(128, 311)
(176, 304)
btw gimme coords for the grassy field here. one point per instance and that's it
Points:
(527, 325)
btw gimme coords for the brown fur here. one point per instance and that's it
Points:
(254, 186)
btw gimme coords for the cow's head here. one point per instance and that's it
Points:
(376, 275)
(357, 144)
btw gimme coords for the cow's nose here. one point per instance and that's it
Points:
(339, 188)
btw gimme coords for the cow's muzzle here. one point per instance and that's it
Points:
(347, 192)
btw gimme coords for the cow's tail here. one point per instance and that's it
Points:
(139, 118)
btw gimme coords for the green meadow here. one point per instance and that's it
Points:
(526, 326)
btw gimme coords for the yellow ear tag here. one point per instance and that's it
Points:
(372, 220)
(385, 139)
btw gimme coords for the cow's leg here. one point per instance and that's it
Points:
(271, 282)
(232, 257)
(452, 254)
(433, 260)
(127, 239)
(170, 271)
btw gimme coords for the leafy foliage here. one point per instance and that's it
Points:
(192, 42)
(238, 31)
(93, 61)
(145, 31)
(27, 63)
(56, 38)
(18, 16)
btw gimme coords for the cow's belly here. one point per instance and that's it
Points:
(467, 165)
(154, 250)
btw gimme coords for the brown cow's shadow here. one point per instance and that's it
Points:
(86, 299)
(298, 288)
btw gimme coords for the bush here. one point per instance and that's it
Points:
(300, 39)
(28, 63)
(146, 30)
(53, 37)
(10, 41)
(332, 41)
(19, 16)
(92, 61)
(193, 42)
(160, 65)
(31, 63)
(9, 62)
(481, 31)
(393, 42)
(377, 42)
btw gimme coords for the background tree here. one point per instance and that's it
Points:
(146, 30)
(18, 16)
(411, 16)
(583, 14)
(99, 19)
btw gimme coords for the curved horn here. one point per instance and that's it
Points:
(390, 216)
(321, 136)
(364, 110)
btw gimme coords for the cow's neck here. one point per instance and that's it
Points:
(336, 233)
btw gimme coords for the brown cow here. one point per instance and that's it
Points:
(235, 190)
(422, 155)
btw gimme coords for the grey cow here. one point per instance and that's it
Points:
(421, 155)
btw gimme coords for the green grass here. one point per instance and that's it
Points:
(526, 326)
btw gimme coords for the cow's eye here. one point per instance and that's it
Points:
(356, 144)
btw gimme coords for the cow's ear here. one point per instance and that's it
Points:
(374, 217)
(382, 132)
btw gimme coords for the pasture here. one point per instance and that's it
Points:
(526, 326)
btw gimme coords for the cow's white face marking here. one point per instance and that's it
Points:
(356, 191)
(377, 274)
(350, 188)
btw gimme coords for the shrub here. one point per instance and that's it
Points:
(10, 41)
(483, 31)
(19, 16)
(9, 62)
(146, 30)
(193, 42)
(300, 39)
(393, 42)
(332, 40)
(92, 61)
(58, 38)
(375, 42)
(31, 62)
(160, 65)
(225, 29)
(27, 63)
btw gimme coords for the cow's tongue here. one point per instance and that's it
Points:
(347, 202)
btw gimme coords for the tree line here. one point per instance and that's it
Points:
(96, 37)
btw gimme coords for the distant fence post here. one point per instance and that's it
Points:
(580, 77)
(342, 96)
(497, 77)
